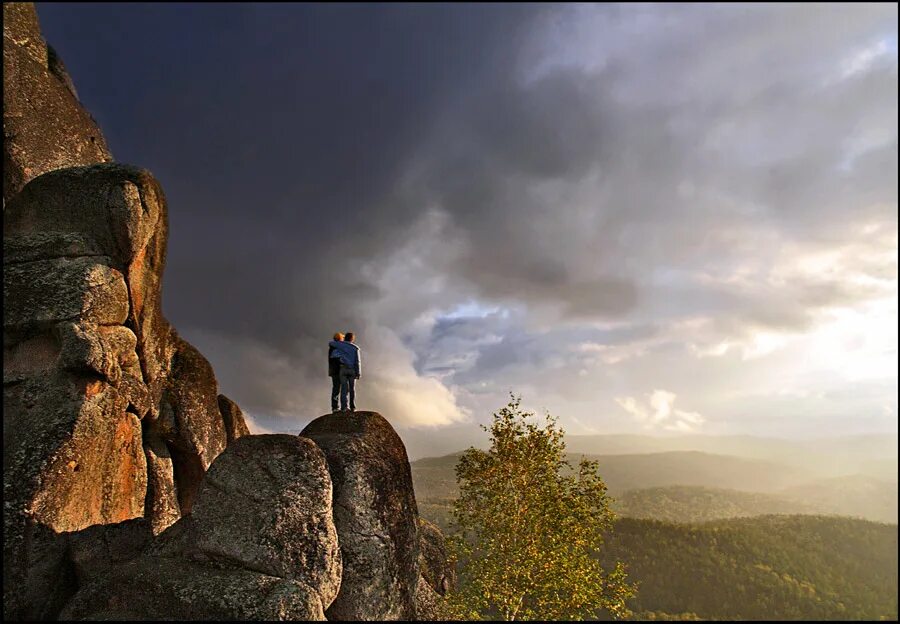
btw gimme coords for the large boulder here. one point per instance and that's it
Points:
(375, 515)
(44, 125)
(265, 505)
(260, 544)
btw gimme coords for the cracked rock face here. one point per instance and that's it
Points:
(85, 340)
(108, 415)
(375, 515)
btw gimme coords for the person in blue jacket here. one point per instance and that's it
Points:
(350, 369)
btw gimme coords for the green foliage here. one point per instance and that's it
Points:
(763, 568)
(528, 526)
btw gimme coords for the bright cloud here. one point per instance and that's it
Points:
(659, 412)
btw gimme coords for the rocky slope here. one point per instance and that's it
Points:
(131, 486)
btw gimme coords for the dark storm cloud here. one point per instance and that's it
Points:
(280, 133)
(609, 183)
(277, 130)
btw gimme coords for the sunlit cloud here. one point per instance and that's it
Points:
(658, 412)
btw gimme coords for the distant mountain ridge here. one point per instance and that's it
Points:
(690, 504)
(625, 472)
(689, 486)
(861, 497)
(874, 455)
(854, 495)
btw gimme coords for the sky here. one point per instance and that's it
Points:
(641, 218)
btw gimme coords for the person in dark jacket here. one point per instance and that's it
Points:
(351, 368)
(334, 371)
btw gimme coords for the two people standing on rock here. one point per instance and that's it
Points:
(344, 368)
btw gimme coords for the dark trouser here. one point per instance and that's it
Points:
(348, 386)
(335, 391)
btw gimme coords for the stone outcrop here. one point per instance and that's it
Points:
(375, 515)
(260, 544)
(44, 125)
(429, 604)
(235, 425)
(108, 414)
(434, 563)
(437, 575)
(265, 504)
(72, 459)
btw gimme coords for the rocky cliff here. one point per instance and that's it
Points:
(132, 488)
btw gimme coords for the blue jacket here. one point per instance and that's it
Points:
(348, 353)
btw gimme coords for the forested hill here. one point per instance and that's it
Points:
(856, 497)
(685, 503)
(762, 568)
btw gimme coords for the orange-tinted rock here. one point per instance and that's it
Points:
(233, 417)
(108, 415)
(161, 509)
(72, 459)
